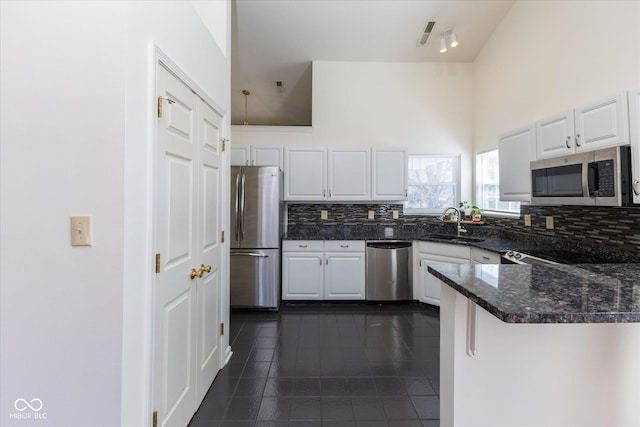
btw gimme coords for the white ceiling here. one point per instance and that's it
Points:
(277, 40)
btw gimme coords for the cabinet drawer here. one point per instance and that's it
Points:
(445, 249)
(481, 256)
(344, 245)
(302, 246)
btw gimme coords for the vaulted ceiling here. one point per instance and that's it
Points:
(276, 40)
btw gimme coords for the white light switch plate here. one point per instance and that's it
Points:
(371, 215)
(527, 220)
(395, 214)
(81, 230)
(324, 214)
(550, 225)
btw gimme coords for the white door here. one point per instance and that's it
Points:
(554, 136)
(344, 276)
(305, 173)
(349, 174)
(602, 124)
(174, 379)
(389, 173)
(210, 247)
(188, 218)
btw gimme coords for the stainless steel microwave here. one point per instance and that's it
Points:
(595, 178)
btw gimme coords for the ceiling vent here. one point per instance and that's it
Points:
(424, 37)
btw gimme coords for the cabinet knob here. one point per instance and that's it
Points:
(635, 187)
(578, 140)
(567, 142)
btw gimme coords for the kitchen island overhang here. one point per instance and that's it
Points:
(540, 345)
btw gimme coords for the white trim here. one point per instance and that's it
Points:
(262, 128)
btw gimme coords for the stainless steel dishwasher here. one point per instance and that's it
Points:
(389, 271)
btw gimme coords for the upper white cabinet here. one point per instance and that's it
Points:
(305, 177)
(634, 120)
(389, 173)
(257, 155)
(593, 126)
(516, 150)
(349, 174)
(345, 174)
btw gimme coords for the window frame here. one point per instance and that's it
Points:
(456, 183)
(478, 186)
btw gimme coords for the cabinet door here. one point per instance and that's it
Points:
(602, 124)
(266, 156)
(389, 174)
(480, 256)
(240, 155)
(516, 150)
(428, 283)
(302, 275)
(305, 173)
(344, 276)
(634, 120)
(349, 174)
(554, 136)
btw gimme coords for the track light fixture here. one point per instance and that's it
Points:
(453, 41)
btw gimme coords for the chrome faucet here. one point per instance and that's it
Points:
(461, 229)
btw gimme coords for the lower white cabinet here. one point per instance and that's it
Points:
(316, 270)
(427, 289)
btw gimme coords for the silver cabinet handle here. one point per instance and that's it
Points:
(635, 187)
(327, 260)
(344, 246)
(302, 246)
(329, 193)
(324, 193)
(320, 261)
(567, 142)
(578, 140)
(420, 263)
(485, 258)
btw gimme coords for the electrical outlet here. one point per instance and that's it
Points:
(371, 215)
(395, 214)
(550, 223)
(527, 220)
(81, 230)
(324, 214)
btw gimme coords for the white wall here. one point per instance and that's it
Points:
(77, 126)
(550, 56)
(423, 106)
(62, 131)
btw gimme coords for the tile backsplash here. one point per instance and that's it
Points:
(614, 227)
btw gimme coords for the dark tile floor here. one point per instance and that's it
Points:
(329, 365)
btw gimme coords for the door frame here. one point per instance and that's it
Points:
(138, 344)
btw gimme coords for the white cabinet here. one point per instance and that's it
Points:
(349, 174)
(634, 121)
(302, 270)
(305, 173)
(389, 173)
(257, 155)
(481, 256)
(344, 273)
(428, 253)
(516, 150)
(593, 126)
(316, 270)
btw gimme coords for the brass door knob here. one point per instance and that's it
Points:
(204, 268)
(195, 273)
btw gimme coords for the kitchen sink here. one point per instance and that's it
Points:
(452, 238)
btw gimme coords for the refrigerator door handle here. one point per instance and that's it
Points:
(242, 210)
(253, 254)
(238, 206)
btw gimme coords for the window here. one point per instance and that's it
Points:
(434, 183)
(488, 185)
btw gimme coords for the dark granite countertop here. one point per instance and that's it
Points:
(579, 293)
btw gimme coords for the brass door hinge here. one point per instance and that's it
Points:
(157, 263)
(221, 328)
(224, 143)
(160, 99)
(222, 236)
(155, 418)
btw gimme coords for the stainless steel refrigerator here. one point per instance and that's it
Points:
(257, 218)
